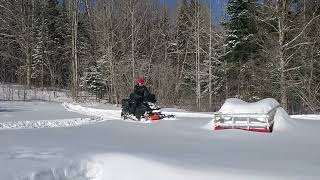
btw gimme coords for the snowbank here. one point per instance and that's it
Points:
(48, 123)
(234, 105)
(282, 121)
(102, 113)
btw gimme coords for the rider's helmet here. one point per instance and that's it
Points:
(140, 81)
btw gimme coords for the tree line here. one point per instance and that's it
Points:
(257, 49)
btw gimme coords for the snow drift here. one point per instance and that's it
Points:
(101, 113)
(48, 123)
(234, 105)
(282, 121)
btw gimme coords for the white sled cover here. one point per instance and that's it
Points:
(234, 105)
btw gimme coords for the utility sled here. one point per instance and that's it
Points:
(237, 114)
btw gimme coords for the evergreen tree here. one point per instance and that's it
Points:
(183, 26)
(241, 28)
(92, 80)
(57, 46)
(182, 38)
(241, 46)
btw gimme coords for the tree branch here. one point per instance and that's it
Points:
(301, 33)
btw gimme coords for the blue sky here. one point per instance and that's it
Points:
(217, 5)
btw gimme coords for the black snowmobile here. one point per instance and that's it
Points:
(148, 110)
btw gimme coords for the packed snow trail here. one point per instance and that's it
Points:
(102, 113)
(48, 123)
(40, 114)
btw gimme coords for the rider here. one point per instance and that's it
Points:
(140, 94)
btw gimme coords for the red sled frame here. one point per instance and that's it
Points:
(256, 122)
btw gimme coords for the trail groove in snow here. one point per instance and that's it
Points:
(101, 113)
(48, 123)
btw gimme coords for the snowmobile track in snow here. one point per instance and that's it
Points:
(48, 123)
(98, 116)
(104, 114)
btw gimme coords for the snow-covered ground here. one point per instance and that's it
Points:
(101, 146)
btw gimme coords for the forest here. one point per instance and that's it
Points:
(190, 56)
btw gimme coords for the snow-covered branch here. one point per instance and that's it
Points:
(301, 32)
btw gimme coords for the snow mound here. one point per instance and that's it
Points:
(102, 113)
(234, 106)
(124, 167)
(48, 123)
(282, 121)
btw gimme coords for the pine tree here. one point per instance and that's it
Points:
(182, 38)
(93, 81)
(57, 46)
(38, 53)
(241, 47)
(183, 26)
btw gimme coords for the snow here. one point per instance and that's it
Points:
(110, 148)
(34, 111)
(47, 123)
(282, 121)
(306, 116)
(19, 93)
(234, 105)
(102, 113)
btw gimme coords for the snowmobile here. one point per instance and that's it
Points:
(148, 110)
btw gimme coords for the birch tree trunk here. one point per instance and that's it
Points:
(74, 50)
(210, 60)
(281, 7)
(132, 41)
(198, 83)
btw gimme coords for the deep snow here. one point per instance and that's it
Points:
(111, 148)
(234, 105)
